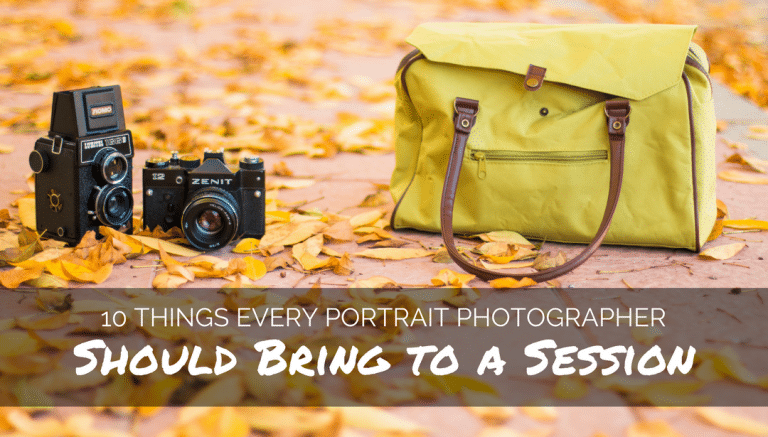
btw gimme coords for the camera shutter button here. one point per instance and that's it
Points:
(38, 161)
(250, 163)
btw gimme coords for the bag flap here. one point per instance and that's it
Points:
(633, 61)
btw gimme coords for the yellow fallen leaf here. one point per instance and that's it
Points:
(180, 270)
(15, 343)
(170, 248)
(165, 258)
(512, 283)
(736, 145)
(746, 224)
(731, 422)
(247, 245)
(14, 277)
(292, 233)
(80, 273)
(167, 280)
(4, 149)
(43, 321)
(646, 335)
(716, 231)
(378, 420)
(726, 362)
(366, 218)
(277, 217)
(722, 209)
(742, 177)
(254, 268)
(449, 277)
(376, 282)
(546, 261)
(747, 161)
(509, 237)
(540, 413)
(510, 265)
(136, 246)
(722, 252)
(389, 253)
(494, 413)
(652, 428)
(27, 211)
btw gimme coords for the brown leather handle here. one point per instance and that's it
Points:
(617, 113)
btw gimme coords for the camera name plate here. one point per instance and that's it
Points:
(90, 146)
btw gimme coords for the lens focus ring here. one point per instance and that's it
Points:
(114, 205)
(210, 219)
(113, 166)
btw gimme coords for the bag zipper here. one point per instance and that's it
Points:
(481, 156)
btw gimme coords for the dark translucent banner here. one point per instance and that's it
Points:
(341, 347)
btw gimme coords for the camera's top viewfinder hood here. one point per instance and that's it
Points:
(88, 111)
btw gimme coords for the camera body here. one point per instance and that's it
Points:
(83, 167)
(211, 204)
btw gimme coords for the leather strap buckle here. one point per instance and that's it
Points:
(617, 112)
(534, 78)
(465, 114)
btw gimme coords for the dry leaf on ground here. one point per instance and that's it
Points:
(450, 278)
(512, 283)
(247, 245)
(731, 422)
(722, 252)
(749, 162)
(545, 261)
(742, 177)
(654, 428)
(747, 224)
(394, 253)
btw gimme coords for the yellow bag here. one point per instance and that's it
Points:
(531, 124)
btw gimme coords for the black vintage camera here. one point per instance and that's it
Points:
(211, 204)
(83, 168)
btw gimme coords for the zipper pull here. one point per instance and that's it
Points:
(480, 157)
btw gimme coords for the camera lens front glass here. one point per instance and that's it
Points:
(114, 167)
(210, 219)
(114, 205)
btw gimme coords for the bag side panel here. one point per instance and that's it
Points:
(407, 146)
(705, 131)
(558, 201)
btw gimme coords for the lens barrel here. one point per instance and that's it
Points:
(112, 165)
(210, 219)
(114, 205)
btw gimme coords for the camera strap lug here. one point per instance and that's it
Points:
(57, 144)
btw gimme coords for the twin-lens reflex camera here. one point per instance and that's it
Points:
(83, 168)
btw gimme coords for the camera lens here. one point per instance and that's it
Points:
(210, 219)
(114, 205)
(113, 166)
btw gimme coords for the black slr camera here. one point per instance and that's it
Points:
(207, 201)
(83, 168)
